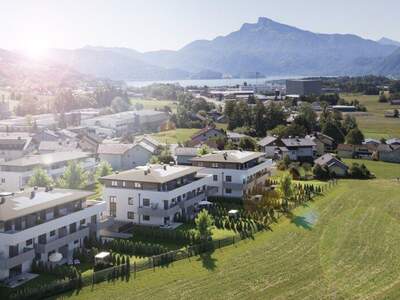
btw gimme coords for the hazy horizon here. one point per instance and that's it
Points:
(171, 25)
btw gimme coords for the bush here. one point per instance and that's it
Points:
(358, 171)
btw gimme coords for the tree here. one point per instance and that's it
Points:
(259, 119)
(247, 143)
(203, 150)
(40, 178)
(286, 190)
(382, 98)
(349, 123)
(307, 117)
(204, 225)
(119, 105)
(355, 137)
(333, 129)
(74, 177)
(103, 169)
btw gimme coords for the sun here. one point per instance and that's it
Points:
(36, 49)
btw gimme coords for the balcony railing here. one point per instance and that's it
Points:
(58, 243)
(27, 255)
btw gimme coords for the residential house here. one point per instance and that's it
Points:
(185, 154)
(206, 134)
(334, 165)
(155, 194)
(15, 145)
(394, 141)
(371, 142)
(389, 153)
(323, 143)
(38, 222)
(300, 149)
(356, 151)
(269, 145)
(233, 171)
(235, 137)
(58, 146)
(126, 156)
(15, 174)
(89, 142)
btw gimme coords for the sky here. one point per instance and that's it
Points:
(148, 25)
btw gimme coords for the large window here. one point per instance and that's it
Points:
(131, 215)
(228, 191)
(215, 177)
(137, 185)
(114, 183)
(130, 200)
(228, 178)
(146, 218)
(214, 165)
(113, 206)
(146, 202)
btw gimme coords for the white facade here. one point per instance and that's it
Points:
(24, 238)
(13, 179)
(233, 183)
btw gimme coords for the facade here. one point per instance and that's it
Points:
(356, 151)
(323, 143)
(389, 153)
(15, 145)
(129, 121)
(205, 134)
(58, 146)
(269, 145)
(126, 156)
(304, 87)
(156, 194)
(184, 155)
(15, 174)
(334, 165)
(36, 223)
(234, 172)
(299, 149)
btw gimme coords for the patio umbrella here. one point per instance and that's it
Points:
(55, 257)
(205, 202)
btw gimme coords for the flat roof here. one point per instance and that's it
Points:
(45, 159)
(229, 156)
(153, 173)
(21, 204)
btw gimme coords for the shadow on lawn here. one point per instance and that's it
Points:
(300, 221)
(208, 261)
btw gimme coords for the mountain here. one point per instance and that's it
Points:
(17, 69)
(391, 64)
(387, 41)
(276, 49)
(114, 63)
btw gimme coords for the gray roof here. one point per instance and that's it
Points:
(186, 151)
(229, 156)
(153, 173)
(266, 141)
(393, 141)
(45, 159)
(235, 135)
(330, 160)
(298, 142)
(21, 204)
(115, 149)
(57, 146)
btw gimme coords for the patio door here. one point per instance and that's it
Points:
(15, 271)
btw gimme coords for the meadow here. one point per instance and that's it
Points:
(373, 123)
(343, 245)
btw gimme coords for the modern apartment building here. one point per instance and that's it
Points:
(304, 87)
(15, 174)
(38, 222)
(155, 194)
(234, 172)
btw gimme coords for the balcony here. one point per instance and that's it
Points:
(192, 201)
(101, 224)
(58, 243)
(27, 255)
(156, 211)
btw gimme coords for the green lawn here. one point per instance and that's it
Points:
(344, 245)
(380, 169)
(373, 123)
(179, 135)
(152, 104)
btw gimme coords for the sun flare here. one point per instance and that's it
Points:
(36, 49)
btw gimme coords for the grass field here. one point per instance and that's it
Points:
(373, 123)
(178, 135)
(347, 250)
(152, 104)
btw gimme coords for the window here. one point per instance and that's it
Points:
(146, 218)
(146, 202)
(228, 178)
(3, 180)
(228, 191)
(113, 206)
(215, 177)
(200, 164)
(130, 201)
(114, 183)
(72, 228)
(214, 165)
(82, 222)
(29, 242)
(123, 183)
(137, 185)
(76, 242)
(52, 233)
(131, 215)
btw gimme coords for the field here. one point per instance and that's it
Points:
(179, 135)
(344, 245)
(373, 123)
(152, 104)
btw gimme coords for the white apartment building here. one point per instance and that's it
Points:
(234, 171)
(15, 174)
(128, 121)
(155, 194)
(38, 222)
